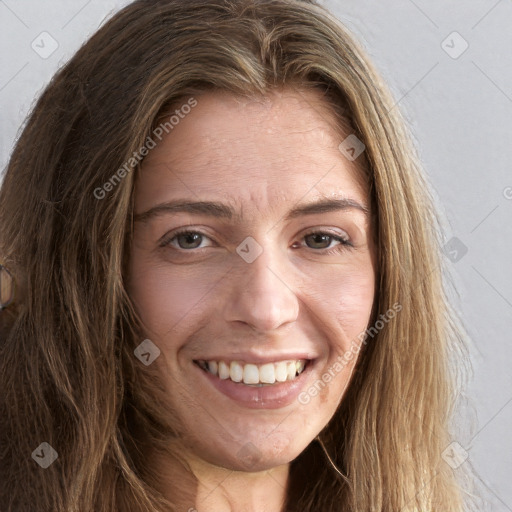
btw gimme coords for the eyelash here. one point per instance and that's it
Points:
(344, 243)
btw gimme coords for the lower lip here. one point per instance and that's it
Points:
(273, 396)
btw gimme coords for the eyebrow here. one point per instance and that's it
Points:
(224, 211)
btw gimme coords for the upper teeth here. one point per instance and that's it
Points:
(267, 373)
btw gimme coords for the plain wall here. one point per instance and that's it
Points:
(458, 103)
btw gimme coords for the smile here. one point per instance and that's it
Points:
(258, 375)
(264, 382)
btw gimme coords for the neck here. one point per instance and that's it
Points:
(217, 489)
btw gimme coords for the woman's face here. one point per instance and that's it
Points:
(250, 293)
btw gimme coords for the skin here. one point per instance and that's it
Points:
(198, 297)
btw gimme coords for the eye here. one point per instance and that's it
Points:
(322, 237)
(184, 237)
(187, 240)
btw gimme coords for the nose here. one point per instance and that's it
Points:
(263, 298)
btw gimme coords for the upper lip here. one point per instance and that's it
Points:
(254, 358)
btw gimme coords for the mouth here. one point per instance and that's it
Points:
(257, 375)
(271, 385)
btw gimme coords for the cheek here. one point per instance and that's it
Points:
(342, 300)
(171, 297)
(355, 302)
(346, 296)
(165, 298)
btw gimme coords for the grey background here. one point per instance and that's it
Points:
(459, 107)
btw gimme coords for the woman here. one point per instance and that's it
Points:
(254, 370)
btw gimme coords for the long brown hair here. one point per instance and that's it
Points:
(68, 373)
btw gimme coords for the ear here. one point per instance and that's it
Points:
(7, 287)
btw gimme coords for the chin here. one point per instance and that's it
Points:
(255, 456)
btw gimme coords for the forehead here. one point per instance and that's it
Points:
(259, 151)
